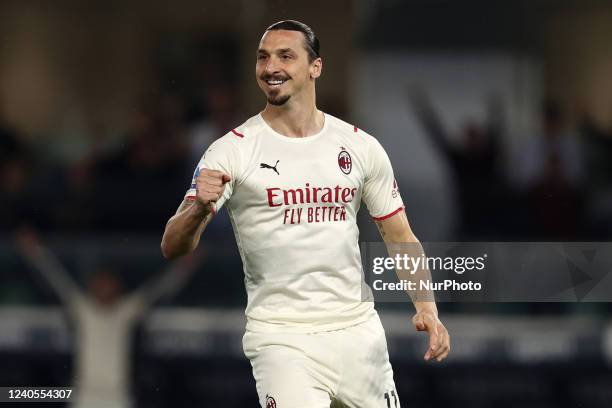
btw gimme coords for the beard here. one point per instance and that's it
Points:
(278, 100)
(273, 96)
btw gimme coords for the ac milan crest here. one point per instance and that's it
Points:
(344, 161)
(270, 402)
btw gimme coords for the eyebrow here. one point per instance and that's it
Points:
(280, 51)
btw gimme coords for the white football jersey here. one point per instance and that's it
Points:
(293, 205)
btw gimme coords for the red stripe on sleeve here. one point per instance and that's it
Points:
(384, 217)
(237, 133)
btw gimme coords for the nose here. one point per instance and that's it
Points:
(271, 66)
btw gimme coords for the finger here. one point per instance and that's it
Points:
(209, 198)
(211, 173)
(210, 192)
(216, 174)
(209, 188)
(443, 355)
(215, 181)
(432, 349)
(207, 183)
(434, 335)
(442, 345)
(445, 349)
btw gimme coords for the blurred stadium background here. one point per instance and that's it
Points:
(497, 117)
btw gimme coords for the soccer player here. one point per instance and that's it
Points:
(292, 179)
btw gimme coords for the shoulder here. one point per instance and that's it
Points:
(238, 137)
(247, 131)
(352, 133)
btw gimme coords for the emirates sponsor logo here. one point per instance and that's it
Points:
(310, 195)
(336, 199)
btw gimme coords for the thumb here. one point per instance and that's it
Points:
(225, 178)
(419, 323)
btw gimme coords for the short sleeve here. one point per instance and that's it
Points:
(380, 192)
(222, 155)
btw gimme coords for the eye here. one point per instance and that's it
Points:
(261, 57)
(286, 56)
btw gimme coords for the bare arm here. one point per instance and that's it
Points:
(184, 229)
(169, 282)
(430, 121)
(49, 266)
(398, 236)
(165, 285)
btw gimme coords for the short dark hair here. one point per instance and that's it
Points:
(311, 42)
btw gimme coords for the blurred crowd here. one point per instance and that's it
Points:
(133, 184)
(556, 186)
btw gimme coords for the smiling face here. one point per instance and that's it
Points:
(283, 69)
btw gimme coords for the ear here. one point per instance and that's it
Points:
(316, 67)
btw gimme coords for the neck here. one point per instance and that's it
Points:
(294, 118)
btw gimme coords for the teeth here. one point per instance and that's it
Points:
(275, 82)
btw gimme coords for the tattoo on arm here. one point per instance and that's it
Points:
(184, 205)
(381, 229)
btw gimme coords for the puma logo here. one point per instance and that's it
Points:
(267, 166)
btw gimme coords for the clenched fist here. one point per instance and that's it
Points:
(210, 185)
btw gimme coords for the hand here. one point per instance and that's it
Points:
(210, 185)
(439, 339)
(27, 241)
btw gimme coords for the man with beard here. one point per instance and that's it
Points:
(313, 336)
